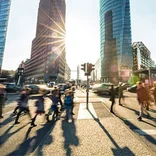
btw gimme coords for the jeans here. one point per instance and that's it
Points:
(68, 112)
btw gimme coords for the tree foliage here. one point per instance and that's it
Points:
(133, 79)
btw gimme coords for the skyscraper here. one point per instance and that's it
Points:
(47, 60)
(4, 15)
(115, 38)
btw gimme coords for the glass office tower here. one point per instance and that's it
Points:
(115, 38)
(48, 56)
(4, 14)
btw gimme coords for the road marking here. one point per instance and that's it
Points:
(83, 113)
(145, 131)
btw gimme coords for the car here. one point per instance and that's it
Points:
(12, 88)
(124, 86)
(132, 89)
(102, 88)
(51, 84)
(34, 88)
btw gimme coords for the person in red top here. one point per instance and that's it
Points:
(142, 97)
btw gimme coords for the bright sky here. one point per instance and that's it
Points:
(82, 30)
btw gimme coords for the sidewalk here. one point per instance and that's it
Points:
(96, 136)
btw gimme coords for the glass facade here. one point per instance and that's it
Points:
(4, 14)
(115, 38)
(48, 60)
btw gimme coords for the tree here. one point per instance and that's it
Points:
(133, 79)
(5, 73)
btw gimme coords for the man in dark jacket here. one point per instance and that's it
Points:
(2, 98)
(112, 98)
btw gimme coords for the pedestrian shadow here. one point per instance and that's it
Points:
(137, 112)
(34, 145)
(134, 128)
(117, 150)
(152, 110)
(148, 123)
(10, 118)
(69, 133)
(7, 120)
(6, 135)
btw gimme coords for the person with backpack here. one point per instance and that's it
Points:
(68, 103)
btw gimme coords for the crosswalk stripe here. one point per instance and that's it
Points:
(83, 113)
(145, 131)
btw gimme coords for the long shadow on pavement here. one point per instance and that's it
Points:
(117, 151)
(6, 135)
(137, 113)
(10, 119)
(36, 143)
(69, 133)
(134, 127)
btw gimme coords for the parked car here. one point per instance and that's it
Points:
(102, 88)
(124, 86)
(34, 88)
(132, 89)
(12, 88)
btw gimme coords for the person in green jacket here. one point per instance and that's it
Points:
(120, 92)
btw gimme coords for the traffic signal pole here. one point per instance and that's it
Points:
(87, 92)
(87, 68)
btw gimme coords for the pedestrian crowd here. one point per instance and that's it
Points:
(59, 103)
(146, 94)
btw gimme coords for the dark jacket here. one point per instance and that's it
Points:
(112, 94)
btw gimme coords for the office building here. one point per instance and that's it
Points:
(115, 39)
(4, 16)
(141, 57)
(47, 61)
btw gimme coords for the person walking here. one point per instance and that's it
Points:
(23, 102)
(120, 92)
(40, 108)
(148, 95)
(142, 98)
(2, 98)
(153, 90)
(59, 99)
(68, 103)
(112, 97)
(54, 107)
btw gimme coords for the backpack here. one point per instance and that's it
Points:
(68, 101)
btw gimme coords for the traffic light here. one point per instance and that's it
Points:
(20, 71)
(90, 67)
(87, 68)
(83, 66)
